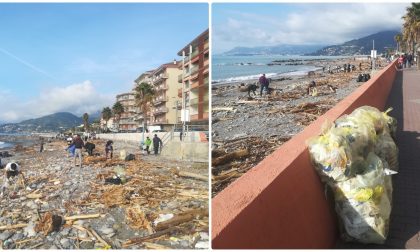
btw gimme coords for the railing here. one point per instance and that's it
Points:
(186, 59)
(187, 73)
(195, 84)
(162, 87)
(194, 53)
(127, 122)
(159, 100)
(160, 111)
(193, 70)
(160, 78)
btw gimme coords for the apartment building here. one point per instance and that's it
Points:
(106, 124)
(195, 79)
(127, 120)
(165, 82)
(140, 118)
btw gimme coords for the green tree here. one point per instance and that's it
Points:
(106, 115)
(86, 121)
(398, 38)
(144, 96)
(411, 28)
(117, 110)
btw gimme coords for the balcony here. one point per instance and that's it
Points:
(194, 71)
(186, 59)
(127, 122)
(194, 54)
(159, 78)
(161, 87)
(187, 73)
(160, 111)
(195, 84)
(180, 92)
(159, 100)
(161, 120)
(180, 78)
(194, 102)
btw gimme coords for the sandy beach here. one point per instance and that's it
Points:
(246, 130)
(156, 208)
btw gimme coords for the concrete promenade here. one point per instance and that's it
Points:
(404, 229)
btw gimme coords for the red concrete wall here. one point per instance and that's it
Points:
(280, 203)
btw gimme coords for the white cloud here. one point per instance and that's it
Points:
(313, 24)
(76, 98)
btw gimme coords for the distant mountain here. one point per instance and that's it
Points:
(94, 116)
(361, 46)
(274, 50)
(50, 123)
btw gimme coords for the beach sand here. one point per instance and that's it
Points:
(261, 125)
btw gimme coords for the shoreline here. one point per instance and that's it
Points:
(315, 64)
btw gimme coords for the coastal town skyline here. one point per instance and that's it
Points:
(270, 24)
(95, 52)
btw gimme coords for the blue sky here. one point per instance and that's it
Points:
(77, 57)
(265, 24)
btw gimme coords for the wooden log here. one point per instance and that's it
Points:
(217, 153)
(222, 109)
(16, 226)
(137, 240)
(192, 175)
(181, 218)
(230, 174)
(34, 196)
(150, 245)
(229, 157)
(80, 217)
(98, 237)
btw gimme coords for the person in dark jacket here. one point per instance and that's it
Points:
(157, 142)
(109, 149)
(263, 84)
(41, 148)
(89, 148)
(78, 145)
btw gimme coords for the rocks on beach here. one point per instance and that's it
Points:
(94, 214)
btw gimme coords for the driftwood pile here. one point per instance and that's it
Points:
(235, 157)
(151, 189)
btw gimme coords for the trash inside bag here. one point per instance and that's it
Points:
(356, 157)
(387, 150)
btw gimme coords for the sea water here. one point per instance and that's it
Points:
(4, 144)
(227, 69)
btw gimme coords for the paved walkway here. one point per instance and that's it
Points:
(405, 216)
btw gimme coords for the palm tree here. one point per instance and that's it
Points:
(144, 95)
(411, 28)
(117, 110)
(398, 39)
(106, 115)
(85, 121)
